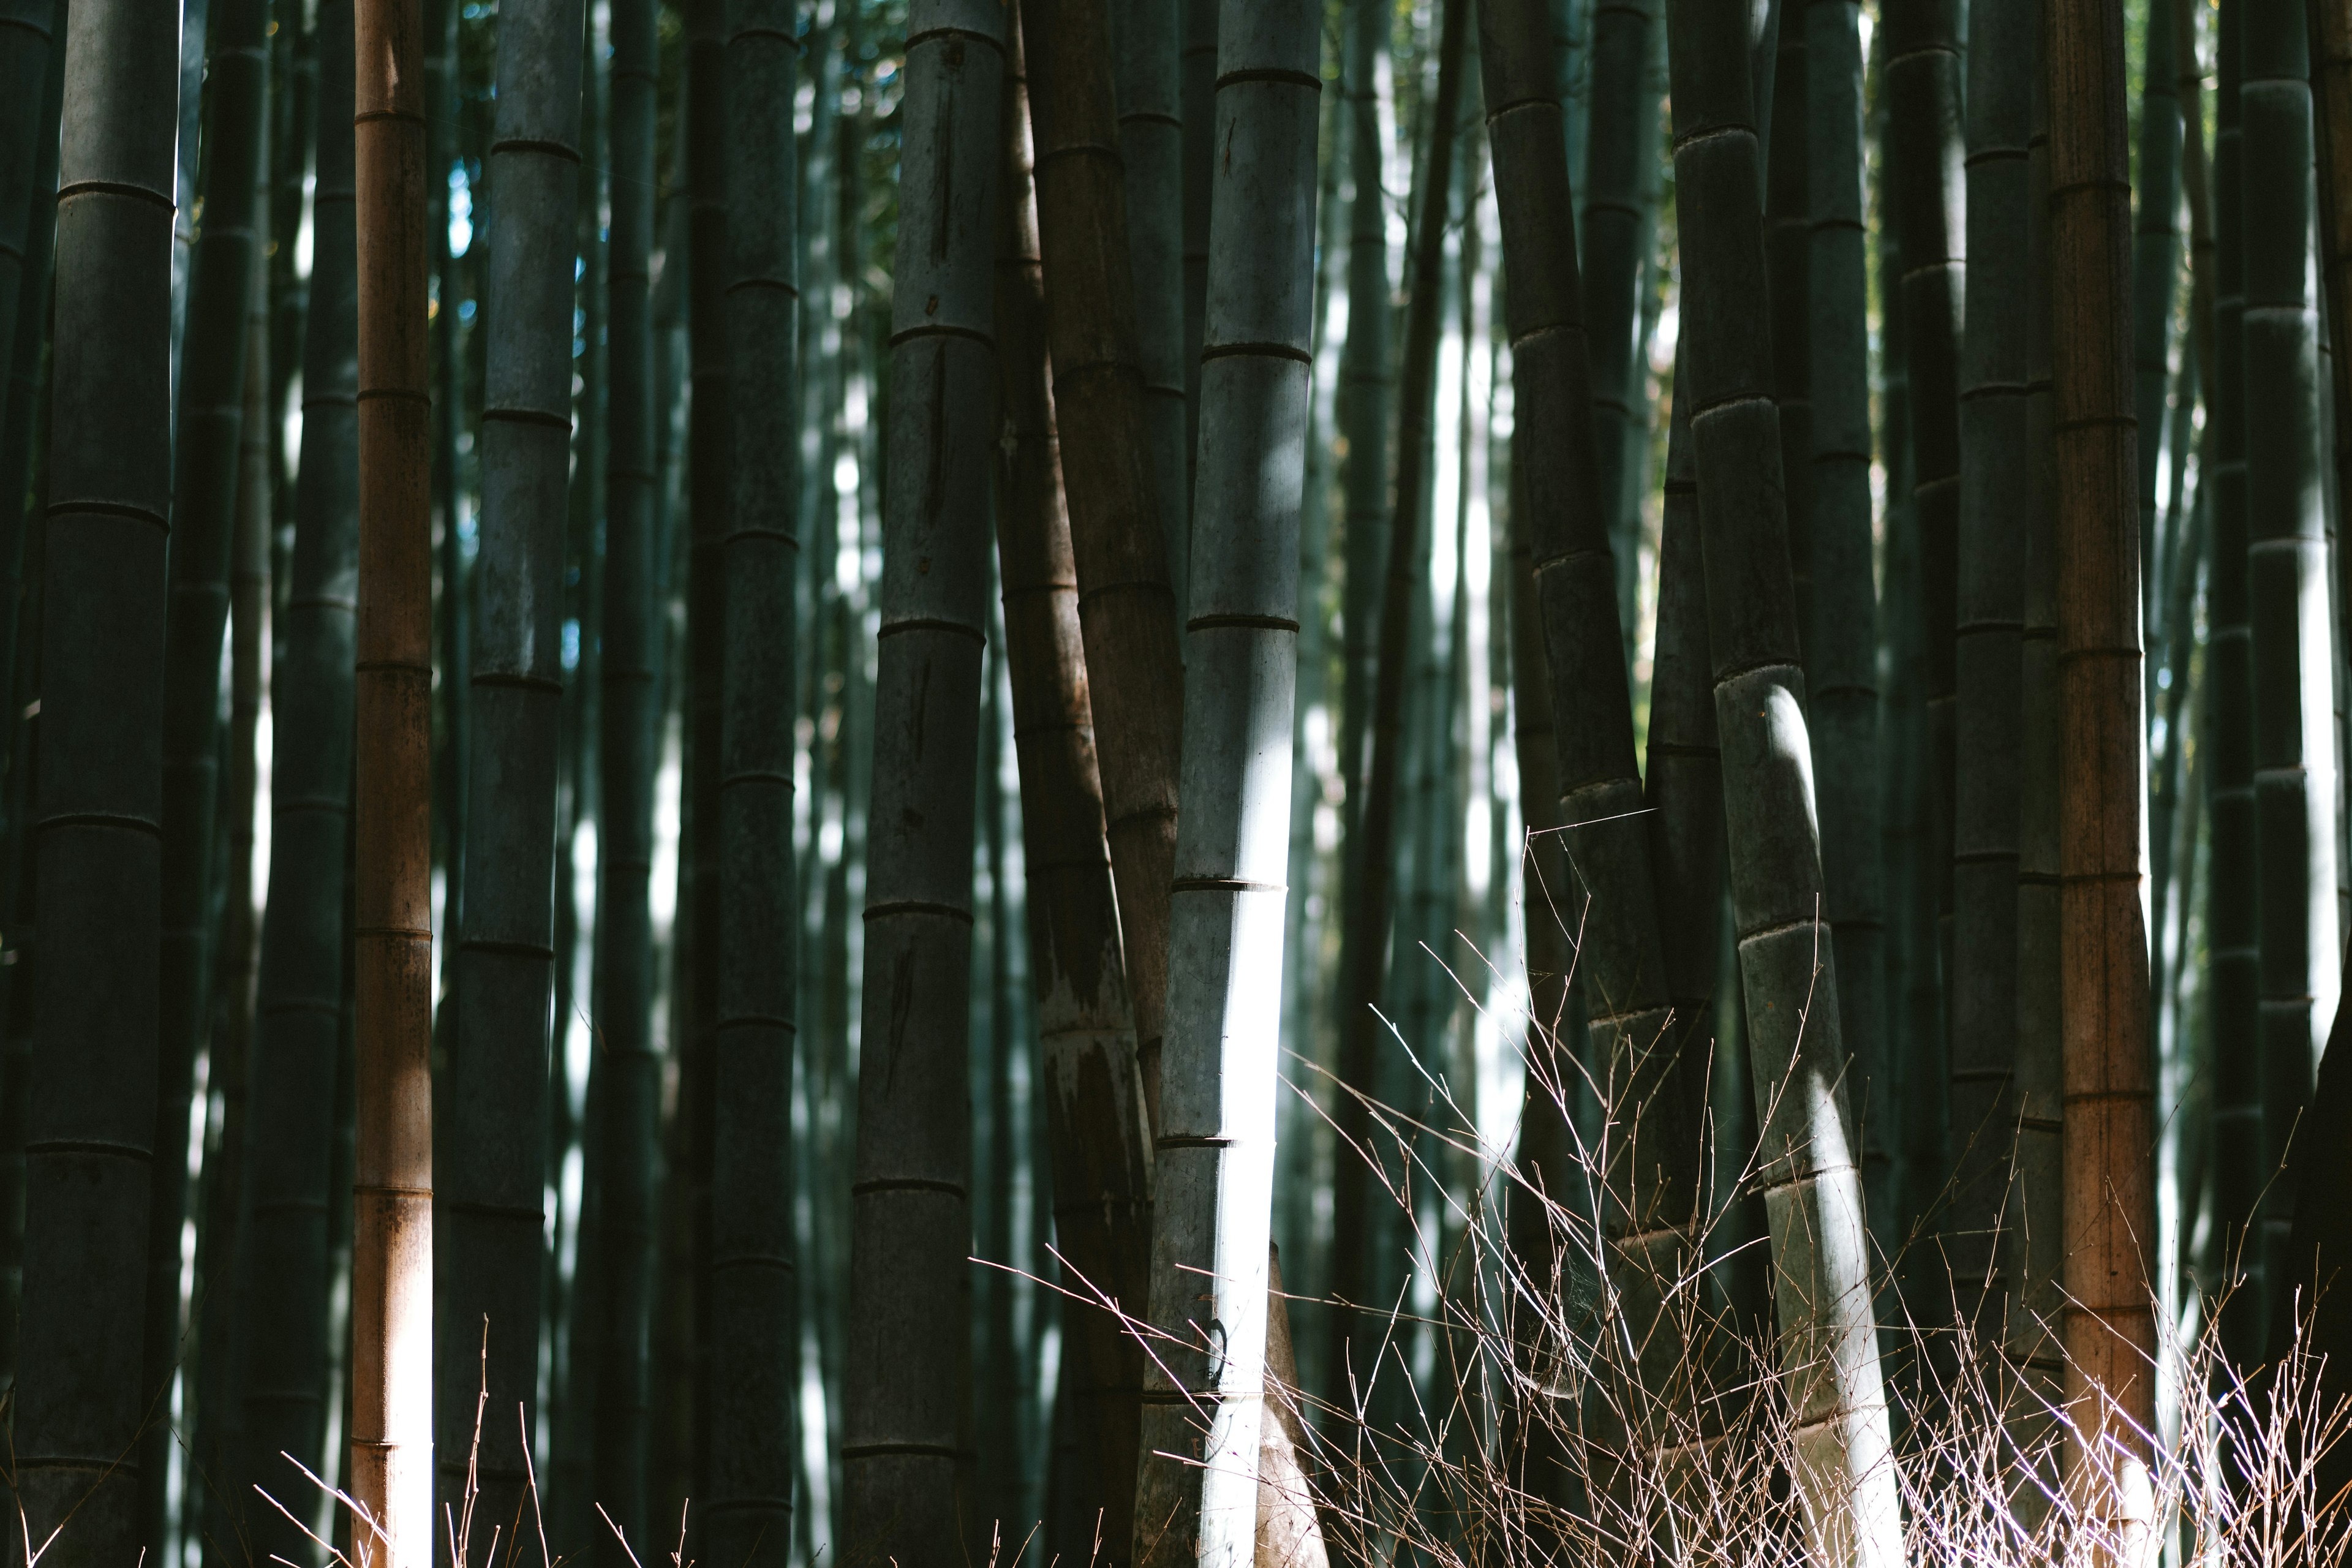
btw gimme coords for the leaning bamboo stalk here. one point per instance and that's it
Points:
(1812, 1189)
(391, 1424)
(1214, 1157)
(754, 1346)
(908, 1346)
(2110, 1330)
(79, 1386)
(1127, 607)
(1981, 1116)
(1095, 1130)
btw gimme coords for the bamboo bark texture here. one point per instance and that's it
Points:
(1841, 646)
(1094, 1127)
(211, 416)
(1204, 1395)
(2295, 795)
(1145, 38)
(391, 1423)
(81, 1395)
(1127, 607)
(1982, 1118)
(1813, 1188)
(1362, 1204)
(903, 1451)
(2110, 1330)
(755, 1287)
(299, 1004)
(625, 1086)
(492, 1196)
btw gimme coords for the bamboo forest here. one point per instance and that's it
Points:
(1175, 784)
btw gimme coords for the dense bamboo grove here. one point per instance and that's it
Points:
(1226, 781)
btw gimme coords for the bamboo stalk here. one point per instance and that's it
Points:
(908, 1343)
(2110, 1332)
(390, 1426)
(1213, 1158)
(1144, 46)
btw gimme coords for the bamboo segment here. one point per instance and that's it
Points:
(391, 1264)
(754, 1290)
(903, 1446)
(2295, 795)
(80, 1394)
(1204, 1394)
(497, 1144)
(1145, 41)
(1993, 500)
(298, 1012)
(1094, 1127)
(1813, 1188)
(2233, 917)
(1127, 607)
(1842, 644)
(2110, 1330)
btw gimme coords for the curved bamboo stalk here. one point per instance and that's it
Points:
(391, 1423)
(903, 1454)
(1095, 1128)
(1360, 1210)
(1842, 644)
(626, 1083)
(754, 1294)
(1213, 1160)
(283, 1278)
(1981, 1115)
(1812, 1189)
(1144, 36)
(2233, 916)
(1128, 608)
(2287, 599)
(81, 1389)
(2110, 1330)
(497, 1142)
(207, 451)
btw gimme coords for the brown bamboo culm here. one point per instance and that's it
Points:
(2110, 1328)
(391, 1421)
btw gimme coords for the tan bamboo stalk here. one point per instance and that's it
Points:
(391, 1421)
(2110, 1328)
(1099, 1146)
(1126, 607)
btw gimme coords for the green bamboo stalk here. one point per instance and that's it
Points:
(1366, 383)
(2233, 915)
(1145, 48)
(1197, 72)
(1981, 1114)
(1361, 1213)
(2109, 1324)
(1215, 1155)
(2287, 588)
(906, 1393)
(1617, 233)
(1813, 1188)
(1788, 257)
(754, 1320)
(624, 1078)
(1128, 608)
(1095, 1128)
(81, 1388)
(1842, 643)
(441, 92)
(207, 448)
(2156, 268)
(495, 1149)
(31, 36)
